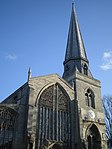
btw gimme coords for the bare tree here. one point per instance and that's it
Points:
(107, 106)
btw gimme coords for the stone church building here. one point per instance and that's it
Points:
(53, 112)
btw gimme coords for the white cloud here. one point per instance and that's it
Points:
(106, 66)
(12, 57)
(107, 55)
(107, 60)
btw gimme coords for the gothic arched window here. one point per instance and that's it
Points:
(89, 98)
(7, 126)
(85, 69)
(53, 115)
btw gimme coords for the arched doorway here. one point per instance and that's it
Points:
(93, 138)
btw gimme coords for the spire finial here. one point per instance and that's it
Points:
(72, 2)
(29, 73)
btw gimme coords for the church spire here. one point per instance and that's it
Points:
(75, 46)
(75, 51)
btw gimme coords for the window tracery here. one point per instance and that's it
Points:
(46, 98)
(53, 116)
(62, 103)
(89, 98)
(7, 121)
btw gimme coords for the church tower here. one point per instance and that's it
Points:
(90, 118)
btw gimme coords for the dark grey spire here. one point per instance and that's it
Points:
(75, 51)
(75, 47)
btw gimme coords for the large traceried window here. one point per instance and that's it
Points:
(53, 116)
(90, 98)
(7, 122)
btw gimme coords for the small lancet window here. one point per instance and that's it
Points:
(89, 98)
(85, 69)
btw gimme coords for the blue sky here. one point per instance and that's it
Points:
(34, 33)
